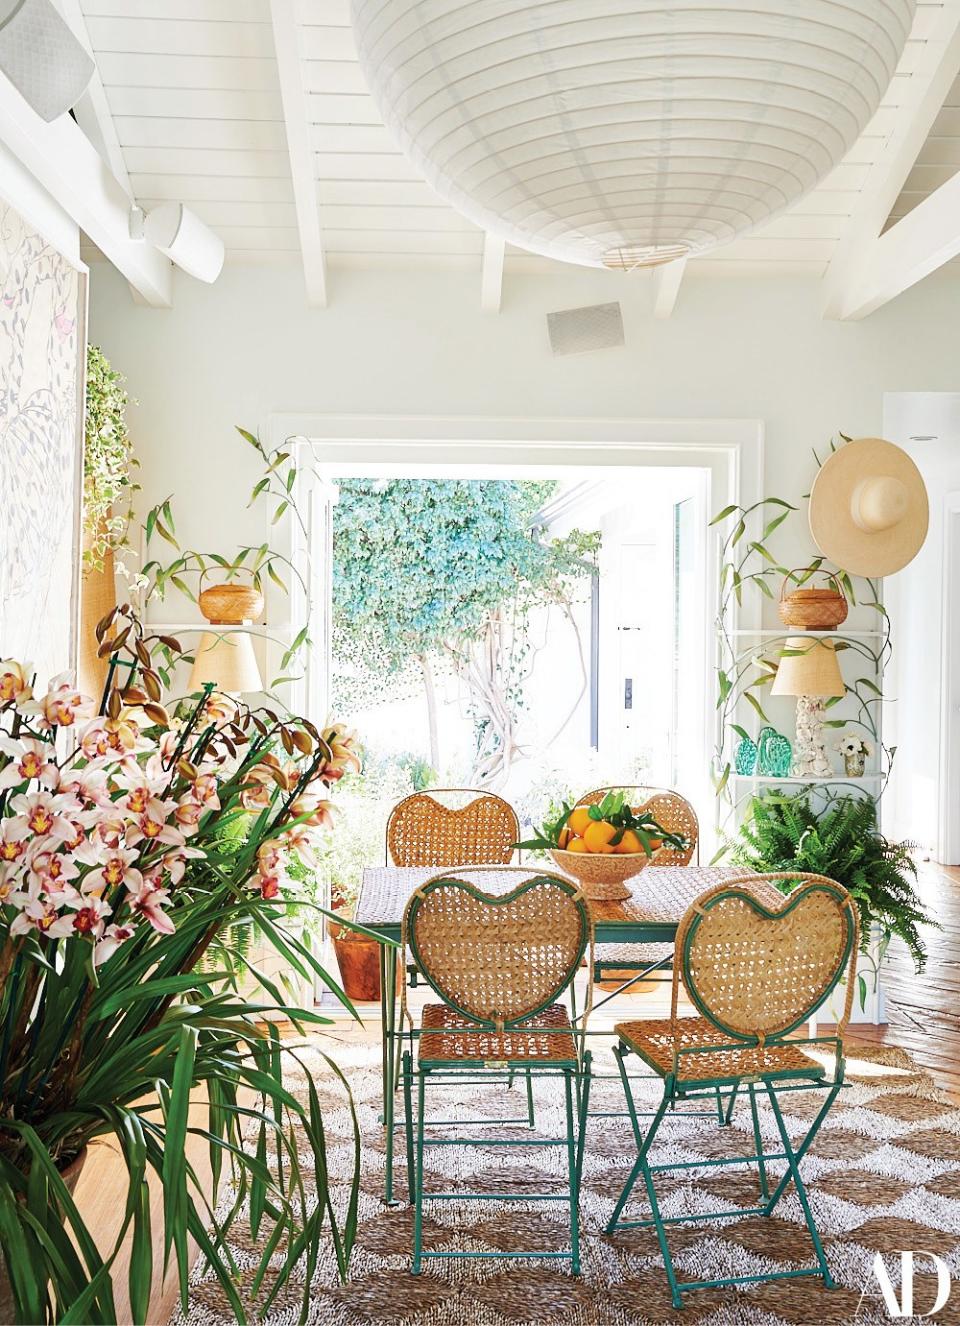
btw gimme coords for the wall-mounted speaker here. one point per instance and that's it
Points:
(41, 56)
(596, 327)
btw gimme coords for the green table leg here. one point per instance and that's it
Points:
(388, 1023)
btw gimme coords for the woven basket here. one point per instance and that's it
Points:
(813, 609)
(602, 878)
(231, 604)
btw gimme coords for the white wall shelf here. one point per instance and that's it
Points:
(808, 782)
(794, 631)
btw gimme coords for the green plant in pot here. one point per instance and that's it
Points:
(842, 840)
(122, 890)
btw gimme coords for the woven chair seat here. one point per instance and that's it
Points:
(449, 1038)
(656, 1041)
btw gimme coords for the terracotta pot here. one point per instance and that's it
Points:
(71, 1177)
(359, 961)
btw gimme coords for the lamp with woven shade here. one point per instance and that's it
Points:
(809, 670)
(226, 657)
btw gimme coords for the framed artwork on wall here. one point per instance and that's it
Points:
(42, 353)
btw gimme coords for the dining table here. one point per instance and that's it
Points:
(659, 897)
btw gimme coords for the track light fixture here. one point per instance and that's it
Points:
(182, 236)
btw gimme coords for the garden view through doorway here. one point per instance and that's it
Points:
(532, 636)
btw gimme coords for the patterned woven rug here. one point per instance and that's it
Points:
(883, 1176)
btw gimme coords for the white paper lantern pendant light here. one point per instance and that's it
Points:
(627, 133)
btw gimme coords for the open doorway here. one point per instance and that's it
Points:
(535, 635)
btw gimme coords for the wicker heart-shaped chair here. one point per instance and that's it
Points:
(424, 831)
(756, 963)
(499, 964)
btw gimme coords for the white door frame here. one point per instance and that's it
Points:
(469, 446)
(948, 832)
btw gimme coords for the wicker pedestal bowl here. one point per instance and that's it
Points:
(602, 878)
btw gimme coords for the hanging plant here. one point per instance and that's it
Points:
(108, 462)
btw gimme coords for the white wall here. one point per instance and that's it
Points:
(408, 342)
(415, 343)
(19, 188)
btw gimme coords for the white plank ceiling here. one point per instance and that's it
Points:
(194, 93)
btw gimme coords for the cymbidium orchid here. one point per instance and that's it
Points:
(130, 843)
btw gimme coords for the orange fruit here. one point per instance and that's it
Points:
(629, 843)
(597, 835)
(563, 837)
(578, 820)
(576, 845)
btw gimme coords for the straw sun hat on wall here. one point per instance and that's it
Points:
(868, 508)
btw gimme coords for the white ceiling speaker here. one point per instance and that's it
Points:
(183, 237)
(626, 133)
(41, 57)
(596, 327)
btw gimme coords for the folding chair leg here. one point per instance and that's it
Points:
(408, 1121)
(641, 1161)
(584, 1103)
(730, 1104)
(804, 1147)
(531, 1117)
(572, 1157)
(794, 1171)
(758, 1143)
(418, 1181)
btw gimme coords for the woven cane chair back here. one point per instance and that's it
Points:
(668, 808)
(422, 831)
(499, 959)
(758, 963)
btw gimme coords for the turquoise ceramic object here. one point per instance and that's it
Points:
(774, 754)
(745, 758)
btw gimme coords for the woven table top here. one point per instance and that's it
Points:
(660, 894)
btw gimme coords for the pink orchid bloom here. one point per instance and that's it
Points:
(8, 882)
(41, 916)
(188, 813)
(90, 914)
(148, 901)
(269, 857)
(29, 761)
(205, 790)
(117, 867)
(15, 687)
(175, 863)
(319, 813)
(152, 825)
(108, 739)
(113, 937)
(46, 814)
(64, 704)
(299, 839)
(270, 886)
(89, 786)
(108, 833)
(14, 835)
(51, 871)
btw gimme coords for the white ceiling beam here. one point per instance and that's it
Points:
(667, 278)
(92, 111)
(923, 96)
(286, 39)
(64, 161)
(491, 273)
(917, 245)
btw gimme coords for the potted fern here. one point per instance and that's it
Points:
(842, 840)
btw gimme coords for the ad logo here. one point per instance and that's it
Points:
(902, 1306)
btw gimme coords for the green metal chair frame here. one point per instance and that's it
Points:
(750, 1005)
(499, 995)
